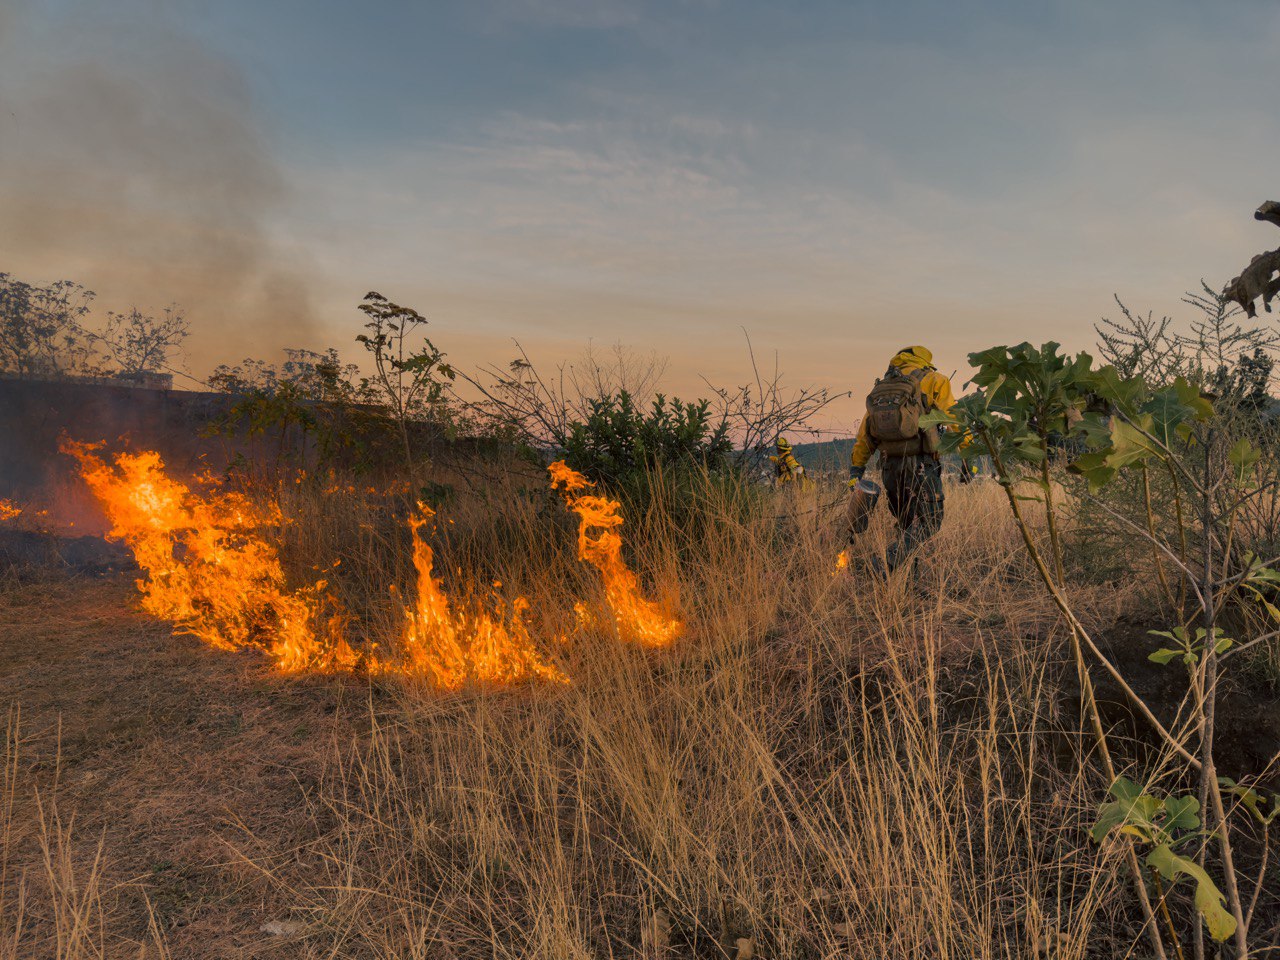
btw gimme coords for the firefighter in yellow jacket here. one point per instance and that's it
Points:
(909, 463)
(787, 468)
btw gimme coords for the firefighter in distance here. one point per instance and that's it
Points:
(909, 462)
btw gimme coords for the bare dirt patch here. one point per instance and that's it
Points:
(170, 754)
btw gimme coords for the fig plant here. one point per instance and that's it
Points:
(1037, 410)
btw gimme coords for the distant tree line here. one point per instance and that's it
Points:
(50, 331)
(603, 413)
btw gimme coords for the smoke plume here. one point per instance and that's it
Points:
(133, 162)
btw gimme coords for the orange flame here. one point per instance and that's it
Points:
(454, 647)
(600, 545)
(208, 568)
(842, 561)
(9, 510)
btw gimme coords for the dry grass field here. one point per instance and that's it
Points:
(824, 764)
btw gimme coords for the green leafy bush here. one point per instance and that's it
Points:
(619, 442)
(1034, 409)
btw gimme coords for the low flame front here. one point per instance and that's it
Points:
(600, 545)
(208, 567)
(211, 567)
(452, 647)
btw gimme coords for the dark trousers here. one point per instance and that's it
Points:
(913, 489)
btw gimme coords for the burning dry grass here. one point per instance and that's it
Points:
(212, 566)
(453, 648)
(823, 765)
(600, 544)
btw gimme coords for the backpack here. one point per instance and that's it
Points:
(894, 408)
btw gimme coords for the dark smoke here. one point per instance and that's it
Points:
(131, 160)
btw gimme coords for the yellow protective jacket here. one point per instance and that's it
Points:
(935, 386)
(787, 466)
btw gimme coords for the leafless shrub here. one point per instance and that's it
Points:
(136, 342)
(541, 408)
(765, 408)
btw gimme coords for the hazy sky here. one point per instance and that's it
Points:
(839, 178)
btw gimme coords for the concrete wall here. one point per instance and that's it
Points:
(35, 414)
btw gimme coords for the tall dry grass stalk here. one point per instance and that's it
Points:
(54, 905)
(827, 764)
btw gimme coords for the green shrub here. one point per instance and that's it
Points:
(619, 442)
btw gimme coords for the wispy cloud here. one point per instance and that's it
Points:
(833, 176)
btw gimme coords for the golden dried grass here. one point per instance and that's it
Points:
(827, 764)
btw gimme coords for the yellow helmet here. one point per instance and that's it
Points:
(784, 443)
(923, 353)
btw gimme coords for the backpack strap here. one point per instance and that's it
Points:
(918, 376)
(928, 435)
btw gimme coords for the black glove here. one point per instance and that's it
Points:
(855, 474)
